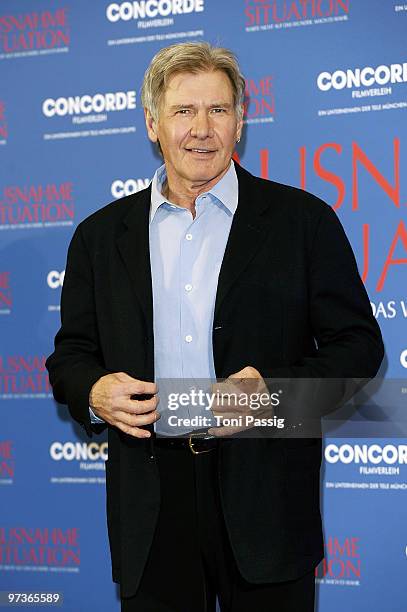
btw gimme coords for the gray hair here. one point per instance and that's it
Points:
(191, 57)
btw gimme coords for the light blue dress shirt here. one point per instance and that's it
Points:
(186, 255)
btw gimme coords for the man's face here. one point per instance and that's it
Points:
(197, 126)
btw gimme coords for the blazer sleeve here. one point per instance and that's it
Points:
(349, 342)
(76, 363)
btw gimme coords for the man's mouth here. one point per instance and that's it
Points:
(195, 150)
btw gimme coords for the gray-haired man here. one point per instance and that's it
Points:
(208, 273)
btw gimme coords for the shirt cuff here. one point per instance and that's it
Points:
(94, 418)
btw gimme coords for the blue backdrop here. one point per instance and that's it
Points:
(326, 108)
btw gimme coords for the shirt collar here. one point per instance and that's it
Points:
(226, 190)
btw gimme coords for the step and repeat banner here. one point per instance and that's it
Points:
(326, 111)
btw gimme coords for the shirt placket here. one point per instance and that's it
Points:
(189, 256)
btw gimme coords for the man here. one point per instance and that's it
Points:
(209, 273)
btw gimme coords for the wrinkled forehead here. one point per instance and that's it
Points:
(197, 87)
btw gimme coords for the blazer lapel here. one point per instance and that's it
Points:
(247, 233)
(134, 249)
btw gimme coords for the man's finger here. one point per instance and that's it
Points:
(136, 432)
(136, 420)
(219, 387)
(138, 387)
(229, 411)
(134, 406)
(230, 386)
(141, 387)
(220, 409)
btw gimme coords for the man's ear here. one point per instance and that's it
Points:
(239, 127)
(151, 126)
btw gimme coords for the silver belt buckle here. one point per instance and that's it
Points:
(202, 435)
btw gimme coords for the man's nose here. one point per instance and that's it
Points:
(201, 126)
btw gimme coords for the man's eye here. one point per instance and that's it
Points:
(218, 110)
(183, 111)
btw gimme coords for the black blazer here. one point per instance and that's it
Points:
(289, 302)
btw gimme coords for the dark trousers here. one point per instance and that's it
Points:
(191, 562)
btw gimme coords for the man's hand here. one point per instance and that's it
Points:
(244, 383)
(110, 400)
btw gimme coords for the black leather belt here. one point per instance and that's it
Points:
(197, 442)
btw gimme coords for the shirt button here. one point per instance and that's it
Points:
(188, 287)
(188, 338)
(188, 236)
